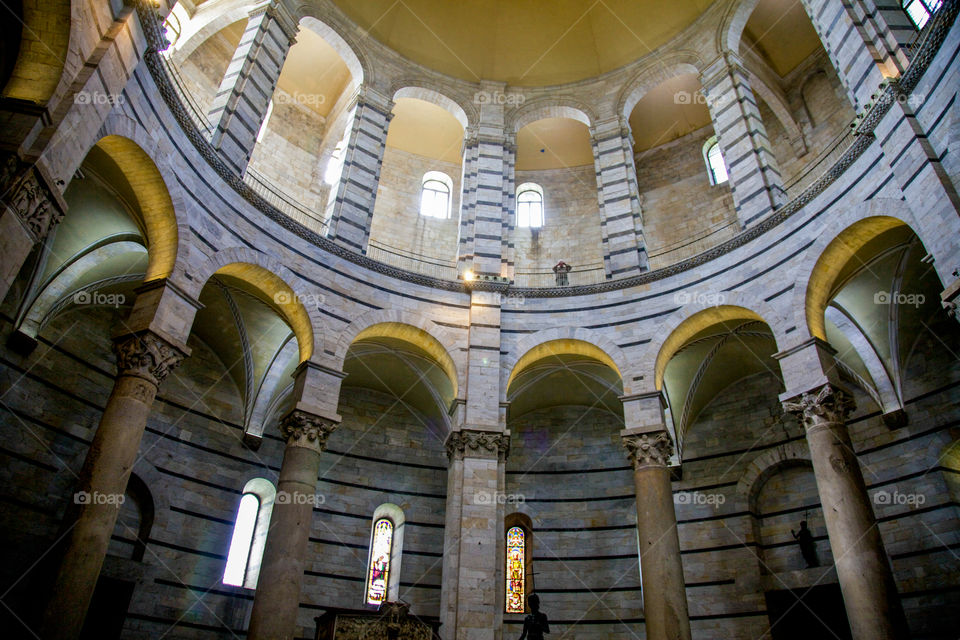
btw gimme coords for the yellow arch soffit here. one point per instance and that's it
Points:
(153, 200)
(281, 297)
(44, 46)
(832, 261)
(694, 325)
(418, 338)
(561, 347)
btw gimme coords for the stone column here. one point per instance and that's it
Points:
(277, 599)
(352, 214)
(754, 177)
(143, 361)
(866, 580)
(30, 206)
(470, 593)
(241, 103)
(661, 570)
(621, 222)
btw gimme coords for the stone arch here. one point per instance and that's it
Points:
(426, 334)
(778, 105)
(293, 300)
(542, 108)
(420, 90)
(206, 22)
(695, 316)
(615, 357)
(667, 66)
(342, 41)
(851, 228)
(733, 24)
(49, 51)
(763, 466)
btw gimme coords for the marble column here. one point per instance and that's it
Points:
(661, 570)
(754, 177)
(621, 222)
(352, 214)
(241, 103)
(870, 595)
(277, 599)
(30, 207)
(143, 361)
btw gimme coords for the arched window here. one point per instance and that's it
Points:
(435, 194)
(386, 546)
(249, 534)
(920, 11)
(516, 570)
(712, 155)
(529, 205)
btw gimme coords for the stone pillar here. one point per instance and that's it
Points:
(143, 360)
(30, 206)
(621, 222)
(241, 103)
(277, 600)
(470, 594)
(352, 214)
(754, 177)
(661, 570)
(866, 580)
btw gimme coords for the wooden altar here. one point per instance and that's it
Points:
(391, 622)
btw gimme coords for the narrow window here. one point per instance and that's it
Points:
(529, 205)
(516, 570)
(919, 11)
(435, 195)
(716, 168)
(250, 534)
(266, 119)
(378, 576)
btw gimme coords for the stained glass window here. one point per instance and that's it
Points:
(379, 574)
(516, 583)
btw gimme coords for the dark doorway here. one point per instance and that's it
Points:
(108, 609)
(818, 614)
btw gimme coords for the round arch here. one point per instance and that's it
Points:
(433, 96)
(561, 341)
(734, 21)
(540, 109)
(763, 466)
(669, 66)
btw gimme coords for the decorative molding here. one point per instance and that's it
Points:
(146, 355)
(649, 449)
(478, 444)
(307, 430)
(30, 196)
(821, 408)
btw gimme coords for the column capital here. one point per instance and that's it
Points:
(720, 67)
(950, 297)
(278, 12)
(470, 443)
(30, 193)
(821, 408)
(368, 96)
(310, 431)
(650, 449)
(146, 355)
(604, 128)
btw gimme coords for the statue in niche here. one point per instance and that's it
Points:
(535, 624)
(808, 546)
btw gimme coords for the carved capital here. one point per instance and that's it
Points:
(29, 198)
(302, 429)
(478, 444)
(822, 407)
(146, 355)
(649, 449)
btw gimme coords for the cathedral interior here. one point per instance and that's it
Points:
(369, 319)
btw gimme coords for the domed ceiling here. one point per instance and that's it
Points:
(525, 42)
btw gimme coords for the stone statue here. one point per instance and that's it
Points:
(808, 547)
(535, 624)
